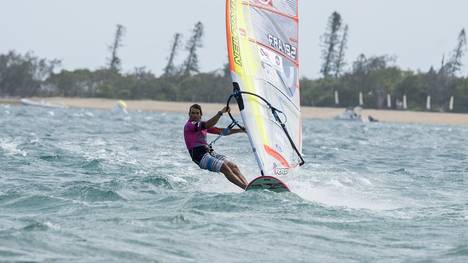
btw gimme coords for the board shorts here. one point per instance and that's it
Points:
(212, 162)
(207, 159)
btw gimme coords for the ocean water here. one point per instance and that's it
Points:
(92, 186)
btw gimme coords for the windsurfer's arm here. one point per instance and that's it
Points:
(224, 132)
(212, 122)
(232, 131)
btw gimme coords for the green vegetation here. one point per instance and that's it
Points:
(375, 77)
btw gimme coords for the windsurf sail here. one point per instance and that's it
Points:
(262, 40)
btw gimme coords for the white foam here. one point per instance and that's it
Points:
(52, 225)
(340, 189)
(11, 147)
(178, 179)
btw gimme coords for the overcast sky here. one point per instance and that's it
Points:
(418, 32)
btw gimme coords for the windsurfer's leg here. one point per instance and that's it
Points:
(236, 171)
(217, 163)
(232, 177)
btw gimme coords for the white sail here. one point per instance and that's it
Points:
(262, 38)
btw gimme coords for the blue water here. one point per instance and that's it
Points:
(91, 186)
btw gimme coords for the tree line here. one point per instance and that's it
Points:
(376, 77)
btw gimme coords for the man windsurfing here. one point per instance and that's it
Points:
(202, 154)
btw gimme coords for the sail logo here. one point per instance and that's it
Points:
(235, 42)
(279, 171)
(285, 48)
(271, 58)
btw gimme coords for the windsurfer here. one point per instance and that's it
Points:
(195, 132)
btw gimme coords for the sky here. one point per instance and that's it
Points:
(417, 32)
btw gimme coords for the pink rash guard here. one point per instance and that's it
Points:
(195, 138)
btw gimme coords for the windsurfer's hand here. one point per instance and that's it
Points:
(225, 109)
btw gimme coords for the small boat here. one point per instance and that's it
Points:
(41, 103)
(351, 114)
(354, 114)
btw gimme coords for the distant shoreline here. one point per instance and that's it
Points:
(307, 112)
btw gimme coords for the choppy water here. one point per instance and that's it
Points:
(90, 186)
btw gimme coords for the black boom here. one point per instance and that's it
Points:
(238, 96)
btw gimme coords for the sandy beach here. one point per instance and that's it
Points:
(308, 112)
